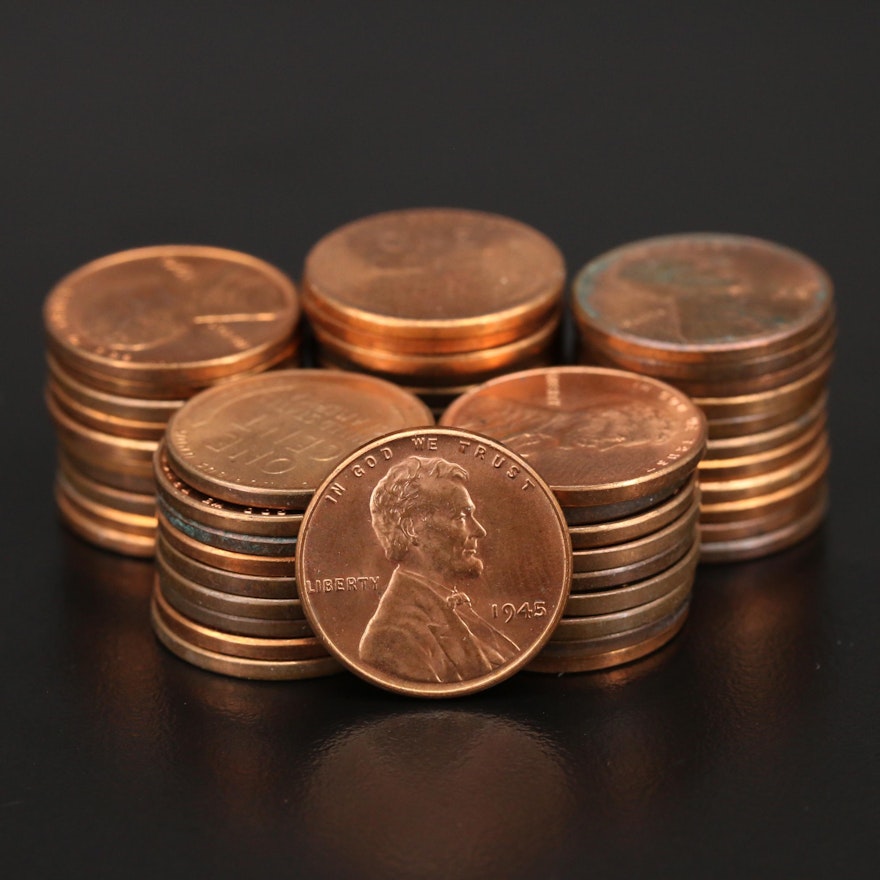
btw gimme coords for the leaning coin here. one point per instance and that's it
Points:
(436, 590)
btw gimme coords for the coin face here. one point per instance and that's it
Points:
(597, 436)
(454, 569)
(686, 296)
(184, 311)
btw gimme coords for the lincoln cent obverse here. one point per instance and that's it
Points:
(454, 568)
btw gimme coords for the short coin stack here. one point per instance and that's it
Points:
(130, 337)
(436, 300)
(238, 467)
(620, 452)
(747, 329)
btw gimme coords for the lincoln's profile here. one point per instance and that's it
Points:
(425, 628)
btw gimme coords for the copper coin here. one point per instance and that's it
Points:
(601, 513)
(190, 504)
(234, 624)
(443, 275)
(102, 534)
(749, 425)
(691, 297)
(133, 523)
(215, 578)
(639, 593)
(225, 603)
(236, 646)
(437, 589)
(586, 656)
(118, 499)
(271, 440)
(241, 667)
(587, 581)
(171, 313)
(632, 552)
(242, 563)
(108, 473)
(596, 436)
(762, 545)
(618, 531)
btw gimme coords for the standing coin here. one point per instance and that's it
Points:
(438, 589)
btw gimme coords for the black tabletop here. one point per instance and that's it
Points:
(748, 747)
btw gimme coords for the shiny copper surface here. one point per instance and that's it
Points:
(133, 523)
(120, 500)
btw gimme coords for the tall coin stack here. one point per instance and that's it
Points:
(747, 329)
(620, 452)
(436, 300)
(235, 473)
(130, 337)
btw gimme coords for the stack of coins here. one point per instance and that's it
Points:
(130, 338)
(238, 467)
(620, 452)
(747, 329)
(436, 300)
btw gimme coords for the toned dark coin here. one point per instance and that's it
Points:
(240, 667)
(165, 314)
(215, 578)
(242, 563)
(597, 436)
(196, 506)
(236, 646)
(460, 280)
(270, 440)
(133, 523)
(700, 296)
(618, 531)
(437, 589)
(639, 593)
(632, 552)
(101, 493)
(225, 603)
(585, 656)
(101, 533)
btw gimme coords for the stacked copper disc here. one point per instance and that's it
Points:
(436, 300)
(620, 452)
(235, 473)
(747, 329)
(130, 337)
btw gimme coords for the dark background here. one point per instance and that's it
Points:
(749, 747)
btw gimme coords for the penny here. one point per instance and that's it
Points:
(241, 563)
(619, 621)
(132, 523)
(763, 544)
(214, 578)
(234, 624)
(236, 646)
(601, 513)
(585, 656)
(96, 532)
(118, 499)
(630, 528)
(587, 581)
(436, 590)
(270, 440)
(597, 436)
(746, 426)
(240, 667)
(639, 593)
(190, 504)
(225, 603)
(172, 313)
(693, 297)
(253, 545)
(106, 472)
(632, 552)
(447, 276)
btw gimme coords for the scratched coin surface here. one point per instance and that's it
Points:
(171, 313)
(270, 440)
(597, 436)
(437, 589)
(692, 297)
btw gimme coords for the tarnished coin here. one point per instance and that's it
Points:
(457, 280)
(702, 296)
(436, 589)
(270, 440)
(597, 436)
(170, 314)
